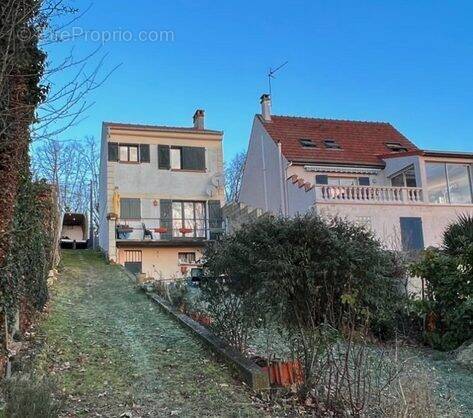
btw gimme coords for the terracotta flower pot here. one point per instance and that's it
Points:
(284, 373)
(201, 318)
(160, 230)
(205, 320)
(185, 230)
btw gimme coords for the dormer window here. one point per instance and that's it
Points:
(307, 143)
(396, 147)
(331, 144)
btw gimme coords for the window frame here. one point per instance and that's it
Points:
(128, 146)
(445, 164)
(187, 262)
(357, 179)
(323, 180)
(173, 150)
(396, 147)
(183, 219)
(307, 143)
(470, 184)
(332, 144)
(403, 174)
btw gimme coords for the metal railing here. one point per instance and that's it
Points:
(157, 229)
(369, 194)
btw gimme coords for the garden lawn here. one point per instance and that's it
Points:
(112, 352)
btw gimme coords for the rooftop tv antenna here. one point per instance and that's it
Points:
(271, 74)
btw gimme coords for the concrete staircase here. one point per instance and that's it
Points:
(237, 214)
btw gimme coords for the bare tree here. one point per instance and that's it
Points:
(233, 176)
(72, 166)
(67, 102)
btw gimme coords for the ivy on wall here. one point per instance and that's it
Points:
(32, 251)
(24, 209)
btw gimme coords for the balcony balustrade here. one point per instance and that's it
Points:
(369, 194)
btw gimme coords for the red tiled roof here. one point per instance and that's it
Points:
(361, 142)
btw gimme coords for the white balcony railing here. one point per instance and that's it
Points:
(369, 194)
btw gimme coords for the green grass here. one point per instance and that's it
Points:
(112, 351)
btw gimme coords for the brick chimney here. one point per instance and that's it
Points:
(199, 119)
(266, 107)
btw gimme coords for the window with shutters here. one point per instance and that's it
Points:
(128, 153)
(342, 181)
(130, 208)
(181, 158)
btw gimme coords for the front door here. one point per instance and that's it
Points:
(133, 261)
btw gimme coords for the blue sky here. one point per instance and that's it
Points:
(404, 62)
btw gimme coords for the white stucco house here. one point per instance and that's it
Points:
(160, 196)
(366, 172)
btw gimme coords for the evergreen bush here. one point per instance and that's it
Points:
(310, 269)
(448, 276)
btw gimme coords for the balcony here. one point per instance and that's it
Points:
(170, 231)
(369, 194)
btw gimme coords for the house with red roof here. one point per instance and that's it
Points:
(366, 172)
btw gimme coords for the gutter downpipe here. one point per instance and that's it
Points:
(283, 193)
(289, 164)
(263, 161)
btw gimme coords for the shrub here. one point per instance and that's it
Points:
(30, 397)
(459, 235)
(448, 275)
(175, 292)
(235, 312)
(311, 271)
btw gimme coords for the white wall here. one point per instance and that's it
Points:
(147, 180)
(299, 200)
(262, 178)
(384, 219)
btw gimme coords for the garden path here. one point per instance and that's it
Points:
(113, 352)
